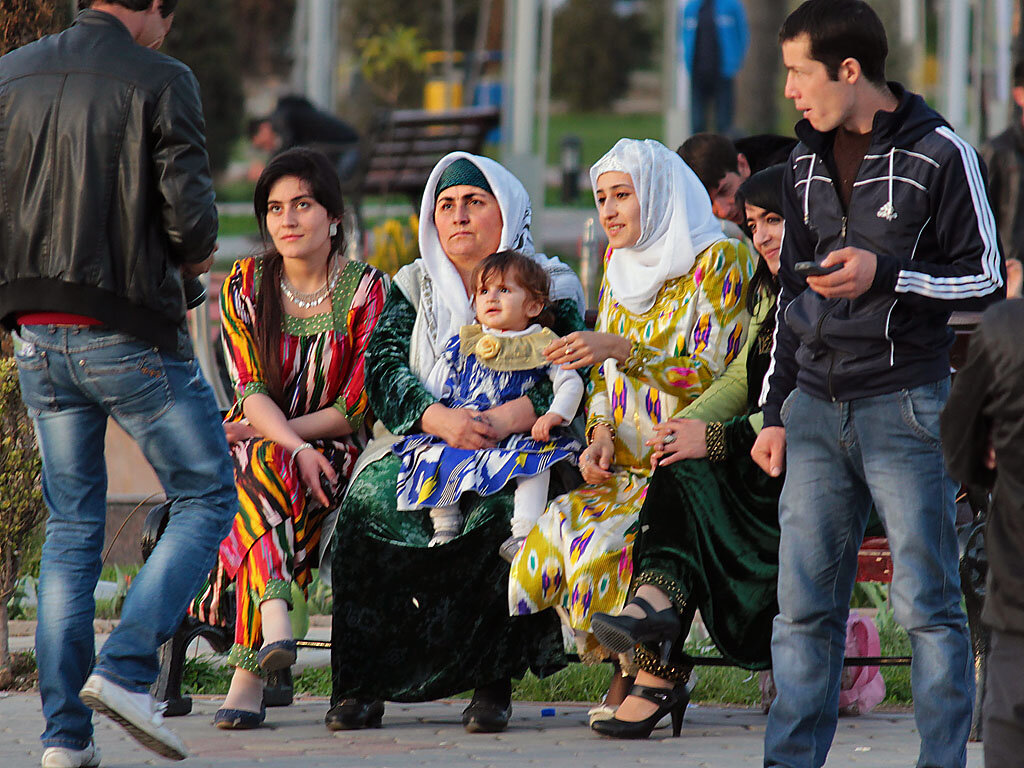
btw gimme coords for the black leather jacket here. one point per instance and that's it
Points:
(105, 184)
(1004, 156)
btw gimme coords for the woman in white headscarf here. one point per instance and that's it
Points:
(672, 315)
(413, 623)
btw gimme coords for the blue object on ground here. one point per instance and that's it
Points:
(547, 712)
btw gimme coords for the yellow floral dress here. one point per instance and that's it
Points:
(579, 555)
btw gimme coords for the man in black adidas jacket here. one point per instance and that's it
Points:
(105, 203)
(882, 189)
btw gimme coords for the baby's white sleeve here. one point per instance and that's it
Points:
(568, 389)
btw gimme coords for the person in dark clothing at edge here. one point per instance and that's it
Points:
(1004, 156)
(107, 205)
(982, 438)
(882, 188)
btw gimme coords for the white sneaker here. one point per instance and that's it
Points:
(62, 757)
(137, 713)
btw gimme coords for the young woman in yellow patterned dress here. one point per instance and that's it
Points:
(671, 317)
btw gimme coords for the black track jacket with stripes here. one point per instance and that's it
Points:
(919, 204)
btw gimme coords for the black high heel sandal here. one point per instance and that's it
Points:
(672, 700)
(620, 633)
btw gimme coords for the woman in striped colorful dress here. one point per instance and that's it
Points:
(295, 324)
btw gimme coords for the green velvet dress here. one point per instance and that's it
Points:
(708, 536)
(412, 623)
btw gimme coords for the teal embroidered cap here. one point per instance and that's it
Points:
(462, 171)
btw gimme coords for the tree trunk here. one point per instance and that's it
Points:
(761, 69)
(6, 669)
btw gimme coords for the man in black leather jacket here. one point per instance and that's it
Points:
(106, 204)
(982, 439)
(1004, 156)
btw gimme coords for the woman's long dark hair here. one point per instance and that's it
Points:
(316, 170)
(763, 189)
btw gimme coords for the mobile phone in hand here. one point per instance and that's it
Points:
(814, 269)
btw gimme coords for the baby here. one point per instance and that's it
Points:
(484, 366)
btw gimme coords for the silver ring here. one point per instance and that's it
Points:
(477, 418)
(668, 439)
(568, 349)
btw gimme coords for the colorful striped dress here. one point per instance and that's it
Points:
(579, 555)
(276, 534)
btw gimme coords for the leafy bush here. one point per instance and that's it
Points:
(24, 510)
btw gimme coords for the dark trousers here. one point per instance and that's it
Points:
(1004, 702)
(717, 91)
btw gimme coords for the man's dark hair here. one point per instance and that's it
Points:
(166, 8)
(710, 156)
(1018, 74)
(840, 30)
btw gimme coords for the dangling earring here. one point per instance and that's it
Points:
(334, 228)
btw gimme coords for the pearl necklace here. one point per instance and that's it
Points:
(315, 298)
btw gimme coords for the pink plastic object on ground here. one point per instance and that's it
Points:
(862, 688)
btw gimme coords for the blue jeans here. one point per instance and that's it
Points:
(841, 457)
(72, 379)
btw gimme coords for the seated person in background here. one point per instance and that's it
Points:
(722, 165)
(1004, 156)
(295, 323)
(296, 122)
(491, 362)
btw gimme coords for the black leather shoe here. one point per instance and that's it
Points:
(490, 709)
(353, 714)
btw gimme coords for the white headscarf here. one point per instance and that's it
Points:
(451, 308)
(676, 222)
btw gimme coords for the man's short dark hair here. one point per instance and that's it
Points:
(840, 30)
(710, 156)
(166, 8)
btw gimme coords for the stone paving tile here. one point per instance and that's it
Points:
(431, 735)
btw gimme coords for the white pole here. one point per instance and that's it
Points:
(544, 99)
(1003, 19)
(908, 21)
(524, 75)
(675, 78)
(321, 52)
(958, 18)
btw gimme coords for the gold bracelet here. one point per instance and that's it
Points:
(714, 437)
(595, 425)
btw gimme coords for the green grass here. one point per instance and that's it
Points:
(230, 226)
(598, 132)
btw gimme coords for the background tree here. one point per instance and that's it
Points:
(595, 51)
(22, 21)
(264, 35)
(203, 36)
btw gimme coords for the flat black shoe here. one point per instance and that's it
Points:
(672, 700)
(353, 714)
(239, 719)
(274, 656)
(490, 709)
(621, 633)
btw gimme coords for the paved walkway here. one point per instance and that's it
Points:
(432, 735)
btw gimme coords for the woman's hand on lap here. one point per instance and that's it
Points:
(459, 427)
(596, 460)
(310, 464)
(678, 439)
(585, 348)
